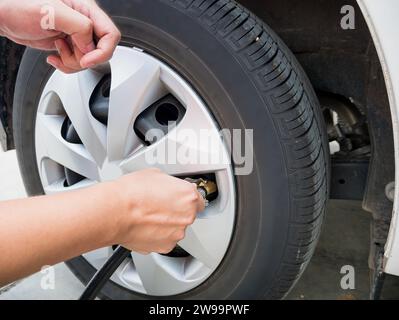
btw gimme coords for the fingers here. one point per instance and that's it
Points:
(82, 23)
(78, 26)
(198, 198)
(177, 236)
(57, 63)
(201, 203)
(108, 35)
(103, 53)
(68, 59)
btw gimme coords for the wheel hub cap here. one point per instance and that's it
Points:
(106, 145)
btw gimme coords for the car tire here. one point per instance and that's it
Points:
(249, 79)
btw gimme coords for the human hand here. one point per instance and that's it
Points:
(156, 210)
(67, 26)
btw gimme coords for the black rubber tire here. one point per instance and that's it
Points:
(249, 79)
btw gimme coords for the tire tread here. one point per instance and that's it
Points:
(293, 105)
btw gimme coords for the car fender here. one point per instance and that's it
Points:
(382, 19)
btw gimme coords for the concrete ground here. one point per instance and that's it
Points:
(344, 241)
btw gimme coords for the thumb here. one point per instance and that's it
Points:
(76, 25)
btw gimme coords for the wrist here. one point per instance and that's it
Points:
(106, 215)
(116, 211)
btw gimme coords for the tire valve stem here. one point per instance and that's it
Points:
(207, 189)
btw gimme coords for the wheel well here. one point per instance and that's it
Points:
(343, 66)
(337, 61)
(346, 72)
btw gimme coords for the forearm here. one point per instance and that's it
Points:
(47, 230)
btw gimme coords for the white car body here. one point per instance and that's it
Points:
(382, 19)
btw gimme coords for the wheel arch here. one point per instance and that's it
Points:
(381, 24)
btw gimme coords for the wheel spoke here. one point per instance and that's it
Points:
(72, 156)
(98, 257)
(207, 239)
(135, 86)
(194, 146)
(74, 92)
(160, 275)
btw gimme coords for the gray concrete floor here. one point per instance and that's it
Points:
(344, 241)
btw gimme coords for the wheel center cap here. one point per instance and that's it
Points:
(110, 171)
